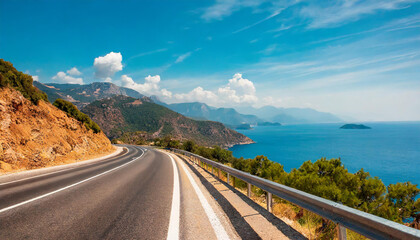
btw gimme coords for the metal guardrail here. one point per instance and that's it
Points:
(369, 225)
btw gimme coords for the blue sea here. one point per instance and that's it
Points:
(390, 151)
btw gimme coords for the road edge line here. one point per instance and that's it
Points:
(173, 229)
(218, 228)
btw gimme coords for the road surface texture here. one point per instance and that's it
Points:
(137, 194)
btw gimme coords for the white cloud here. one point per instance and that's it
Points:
(62, 77)
(281, 28)
(345, 11)
(35, 78)
(148, 53)
(149, 87)
(269, 50)
(165, 93)
(241, 85)
(198, 94)
(238, 91)
(108, 65)
(220, 9)
(277, 12)
(74, 71)
(224, 8)
(183, 57)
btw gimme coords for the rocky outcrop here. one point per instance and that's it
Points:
(33, 136)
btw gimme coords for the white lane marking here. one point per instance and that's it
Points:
(46, 174)
(173, 230)
(218, 228)
(23, 179)
(69, 186)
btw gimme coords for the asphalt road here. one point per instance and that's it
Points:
(131, 202)
(138, 194)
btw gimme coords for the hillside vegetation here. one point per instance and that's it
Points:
(122, 115)
(10, 77)
(327, 179)
(72, 111)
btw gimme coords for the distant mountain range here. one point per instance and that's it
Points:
(120, 115)
(82, 95)
(291, 115)
(241, 117)
(267, 115)
(202, 111)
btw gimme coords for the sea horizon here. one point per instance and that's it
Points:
(378, 150)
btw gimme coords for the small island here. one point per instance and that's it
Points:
(354, 126)
(271, 124)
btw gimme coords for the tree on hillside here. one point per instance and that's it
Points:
(188, 145)
(72, 111)
(403, 195)
(10, 77)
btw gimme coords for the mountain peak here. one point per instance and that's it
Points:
(82, 95)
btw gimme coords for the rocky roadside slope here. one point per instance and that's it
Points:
(34, 136)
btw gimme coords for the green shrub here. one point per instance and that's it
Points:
(72, 111)
(328, 179)
(10, 77)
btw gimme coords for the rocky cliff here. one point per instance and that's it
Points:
(33, 136)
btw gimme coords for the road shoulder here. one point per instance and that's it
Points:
(250, 220)
(198, 218)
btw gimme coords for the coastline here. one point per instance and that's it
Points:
(240, 143)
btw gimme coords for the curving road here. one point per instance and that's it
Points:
(138, 194)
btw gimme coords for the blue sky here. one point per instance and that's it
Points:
(357, 59)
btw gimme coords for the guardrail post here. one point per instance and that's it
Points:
(218, 173)
(249, 190)
(341, 231)
(269, 201)
(228, 178)
(211, 169)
